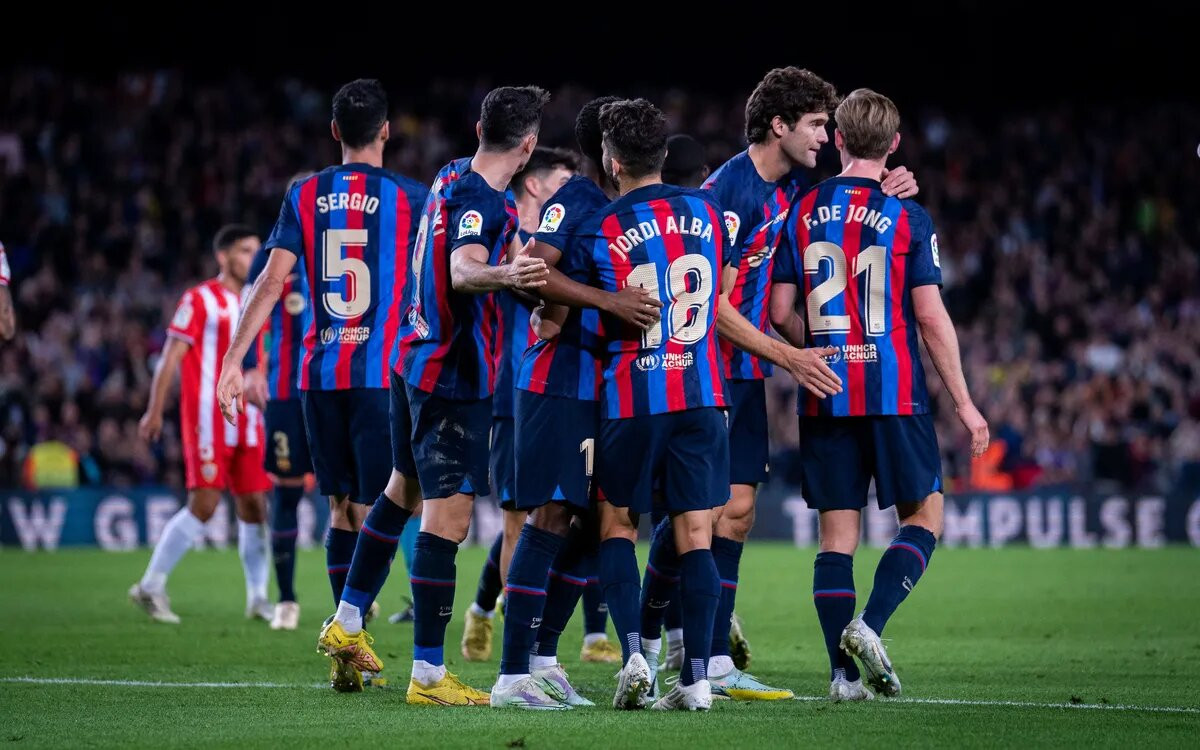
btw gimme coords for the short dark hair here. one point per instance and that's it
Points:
(685, 161)
(510, 113)
(360, 108)
(635, 132)
(543, 159)
(229, 234)
(588, 134)
(787, 93)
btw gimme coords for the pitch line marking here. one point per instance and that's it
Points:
(806, 698)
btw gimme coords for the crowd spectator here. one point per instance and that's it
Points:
(1068, 241)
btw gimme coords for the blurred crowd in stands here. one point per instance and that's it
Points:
(1069, 245)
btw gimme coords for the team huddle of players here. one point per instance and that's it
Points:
(589, 346)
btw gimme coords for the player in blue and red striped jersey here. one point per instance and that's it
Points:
(786, 117)
(443, 383)
(863, 269)
(354, 225)
(556, 419)
(546, 171)
(272, 368)
(663, 393)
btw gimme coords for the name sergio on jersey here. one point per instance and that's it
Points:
(344, 201)
(353, 335)
(647, 230)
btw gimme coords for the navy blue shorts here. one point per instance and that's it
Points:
(443, 443)
(504, 472)
(840, 455)
(685, 453)
(555, 449)
(348, 435)
(287, 455)
(749, 449)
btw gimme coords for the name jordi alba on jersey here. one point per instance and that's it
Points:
(670, 241)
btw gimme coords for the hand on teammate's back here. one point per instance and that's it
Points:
(976, 425)
(635, 306)
(809, 369)
(899, 182)
(526, 272)
(231, 394)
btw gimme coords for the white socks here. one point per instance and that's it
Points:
(252, 548)
(675, 635)
(177, 537)
(541, 662)
(506, 680)
(481, 612)
(591, 638)
(426, 673)
(652, 647)
(720, 665)
(349, 617)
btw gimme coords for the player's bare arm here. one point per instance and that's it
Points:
(547, 320)
(632, 305)
(471, 273)
(805, 365)
(937, 330)
(8, 319)
(900, 182)
(784, 318)
(150, 426)
(256, 387)
(263, 297)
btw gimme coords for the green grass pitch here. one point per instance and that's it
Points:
(1012, 647)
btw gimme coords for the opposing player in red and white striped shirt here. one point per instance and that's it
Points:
(8, 322)
(217, 455)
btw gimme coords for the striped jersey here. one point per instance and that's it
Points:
(448, 339)
(855, 256)
(755, 211)
(568, 365)
(672, 242)
(353, 226)
(513, 336)
(205, 319)
(279, 349)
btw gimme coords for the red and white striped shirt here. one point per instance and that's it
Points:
(205, 319)
(5, 274)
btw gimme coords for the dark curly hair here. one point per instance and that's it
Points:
(588, 134)
(635, 132)
(788, 93)
(510, 113)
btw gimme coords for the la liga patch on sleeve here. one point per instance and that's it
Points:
(471, 224)
(552, 218)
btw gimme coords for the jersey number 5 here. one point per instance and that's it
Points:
(355, 297)
(689, 295)
(872, 262)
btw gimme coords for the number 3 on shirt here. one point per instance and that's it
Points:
(355, 297)
(689, 295)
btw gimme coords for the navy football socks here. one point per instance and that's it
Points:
(699, 594)
(834, 598)
(433, 578)
(661, 583)
(727, 554)
(489, 578)
(898, 572)
(526, 596)
(339, 550)
(619, 577)
(373, 553)
(284, 529)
